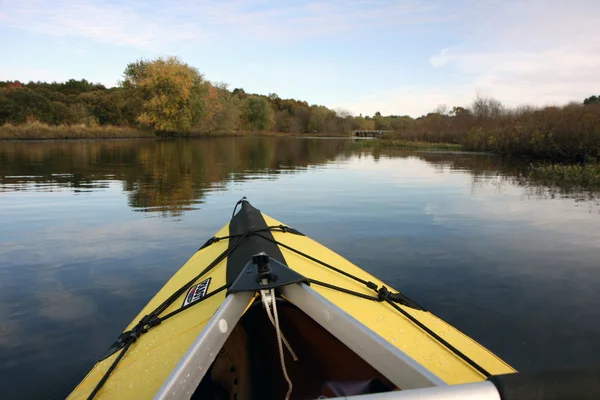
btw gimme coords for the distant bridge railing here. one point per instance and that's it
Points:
(369, 133)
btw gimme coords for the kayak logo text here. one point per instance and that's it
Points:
(196, 292)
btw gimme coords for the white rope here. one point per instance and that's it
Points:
(266, 296)
(275, 321)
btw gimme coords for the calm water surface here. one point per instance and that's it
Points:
(89, 231)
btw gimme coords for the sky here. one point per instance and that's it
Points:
(399, 57)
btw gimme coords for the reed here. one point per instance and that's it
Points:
(400, 144)
(568, 133)
(572, 176)
(40, 131)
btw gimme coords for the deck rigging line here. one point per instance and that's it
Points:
(126, 339)
(383, 294)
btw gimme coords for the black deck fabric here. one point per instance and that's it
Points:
(249, 218)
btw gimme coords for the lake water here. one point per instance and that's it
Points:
(89, 231)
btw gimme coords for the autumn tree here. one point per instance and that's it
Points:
(170, 93)
(222, 111)
(290, 115)
(287, 122)
(485, 108)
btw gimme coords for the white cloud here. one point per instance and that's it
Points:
(496, 198)
(554, 76)
(525, 51)
(79, 242)
(152, 25)
(530, 52)
(127, 23)
(410, 100)
(439, 60)
(520, 52)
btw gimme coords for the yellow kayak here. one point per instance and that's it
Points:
(262, 311)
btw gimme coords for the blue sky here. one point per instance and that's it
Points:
(360, 56)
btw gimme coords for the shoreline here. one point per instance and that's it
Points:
(41, 132)
(399, 144)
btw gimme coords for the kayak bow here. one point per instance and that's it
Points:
(261, 307)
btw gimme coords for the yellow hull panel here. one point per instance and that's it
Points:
(385, 320)
(152, 358)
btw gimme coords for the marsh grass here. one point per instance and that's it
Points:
(399, 144)
(40, 131)
(567, 176)
(566, 133)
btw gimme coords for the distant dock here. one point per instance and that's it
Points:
(370, 133)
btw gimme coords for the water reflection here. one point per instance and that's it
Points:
(164, 176)
(465, 235)
(503, 171)
(170, 177)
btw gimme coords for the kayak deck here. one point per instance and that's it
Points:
(448, 355)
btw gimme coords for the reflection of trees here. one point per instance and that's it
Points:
(170, 176)
(501, 172)
(478, 165)
(159, 175)
(505, 171)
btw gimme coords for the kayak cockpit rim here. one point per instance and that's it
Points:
(185, 378)
(402, 370)
(397, 366)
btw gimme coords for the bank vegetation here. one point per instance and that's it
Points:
(162, 97)
(167, 97)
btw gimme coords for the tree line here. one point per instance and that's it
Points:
(168, 96)
(570, 132)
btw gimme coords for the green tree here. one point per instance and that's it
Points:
(591, 100)
(107, 106)
(79, 114)
(60, 113)
(170, 93)
(239, 92)
(362, 123)
(403, 122)
(29, 105)
(458, 110)
(383, 123)
(258, 113)
(75, 87)
(322, 119)
(7, 106)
